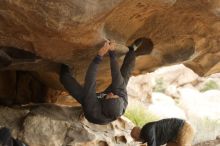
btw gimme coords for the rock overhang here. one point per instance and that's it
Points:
(71, 31)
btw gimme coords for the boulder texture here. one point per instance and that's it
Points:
(51, 125)
(71, 32)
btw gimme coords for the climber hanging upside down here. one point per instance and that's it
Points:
(107, 106)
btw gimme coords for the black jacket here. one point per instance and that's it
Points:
(98, 110)
(102, 111)
(160, 132)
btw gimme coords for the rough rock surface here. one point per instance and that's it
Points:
(51, 125)
(71, 31)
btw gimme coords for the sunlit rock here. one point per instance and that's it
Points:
(202, 107)
(165, 107)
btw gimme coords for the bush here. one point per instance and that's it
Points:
(160, 86)
(210, 85)
(139, 115)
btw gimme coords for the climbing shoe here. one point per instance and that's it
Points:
(142, 46)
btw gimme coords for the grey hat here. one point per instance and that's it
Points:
(113, 107)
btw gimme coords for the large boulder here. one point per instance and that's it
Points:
(71, 32)
(51, 125)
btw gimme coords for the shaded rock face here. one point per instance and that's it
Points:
(21, 87)
(55, 126)
(71, 31)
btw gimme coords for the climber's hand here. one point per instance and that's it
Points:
(104, 49)
(112, 45)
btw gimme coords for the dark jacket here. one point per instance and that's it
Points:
(99, 110)
(160, 132)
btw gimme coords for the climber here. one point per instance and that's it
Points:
(173, 131)
(7, 140)
(107, 106)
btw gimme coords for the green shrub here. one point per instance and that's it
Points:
(209, 86)
(160, 85)
(139, 115)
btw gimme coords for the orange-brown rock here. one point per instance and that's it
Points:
(71, 32)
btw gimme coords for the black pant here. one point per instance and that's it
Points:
(119, 78)
(125, 71)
